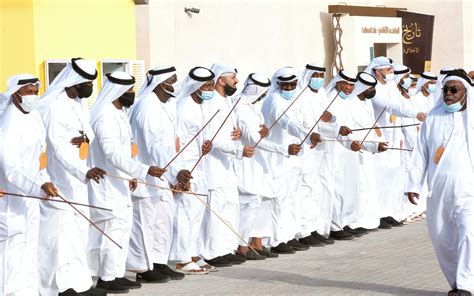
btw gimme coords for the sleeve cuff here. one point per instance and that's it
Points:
(240, 152)
(82, 174)
(410, 187)
(144, 171)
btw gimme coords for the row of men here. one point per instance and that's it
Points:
(201, 178)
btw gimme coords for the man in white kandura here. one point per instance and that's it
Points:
(64, 232)
(444, 154)
(113, 150)
(153, 121)
(22, 171)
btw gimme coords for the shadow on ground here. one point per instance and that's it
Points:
(301, 280)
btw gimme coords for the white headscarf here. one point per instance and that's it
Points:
(221, 70)
(76, 72)
(343, 75)
(400, 71)
(196, 78)
(115, 85)
(255, 85)
(378, 63)
(308, 72)
(285, 74)
(364, 82)
(442, 74)
(424, 78)
(14, 84)
(153, 79)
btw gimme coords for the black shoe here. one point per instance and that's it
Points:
(384, 224)
(128, 283)
(219, 262)
(353, 231)
(393, 222)
(341, 235)
(321, 238)
(298, 246)
(463, 293)
(311, 241)
(112, 287)
(251, 255)
(453, 292)
(94, 292)
(152, 276)
(267, 253)
(283, 248)
(68, 292)
(166, 270)
(235, 259)
(366, 230)
(239, 255)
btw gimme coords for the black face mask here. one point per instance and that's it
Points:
(84, 90)
(127, 99)
(229, 90)
(369, 94)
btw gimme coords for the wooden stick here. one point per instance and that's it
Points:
(90, 221)
(373, 126)
(281, 115)
(336, 140)
(226, 223)
(190, 141)
(152, 185)
(382, 127)
(218, 130)
(319, 119)
(401, 149)
(55, 200)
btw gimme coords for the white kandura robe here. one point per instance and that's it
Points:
(286, 171)
(410, 135)
(188, 228)
(64, 232)
(258, 217)
(345, 160)
(23, 139)
(450, 208)
(318, 191)
(111, 151)
(424, 104)
(217, 166)
(154, 129)
(388, 164)
(361, 211)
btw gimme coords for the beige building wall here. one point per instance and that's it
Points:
(263, 35)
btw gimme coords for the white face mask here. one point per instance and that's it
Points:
(173, 93)
(411, 92)
(29, 102)
(389, 77)
(431, 88)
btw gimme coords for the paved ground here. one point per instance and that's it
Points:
(400, 261)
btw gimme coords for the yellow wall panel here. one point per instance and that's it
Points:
(17, 40)
(61, 29)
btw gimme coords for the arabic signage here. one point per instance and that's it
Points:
(417, 37)
(366, 36)
(380, 30)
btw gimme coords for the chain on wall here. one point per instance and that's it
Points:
(337, 61)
